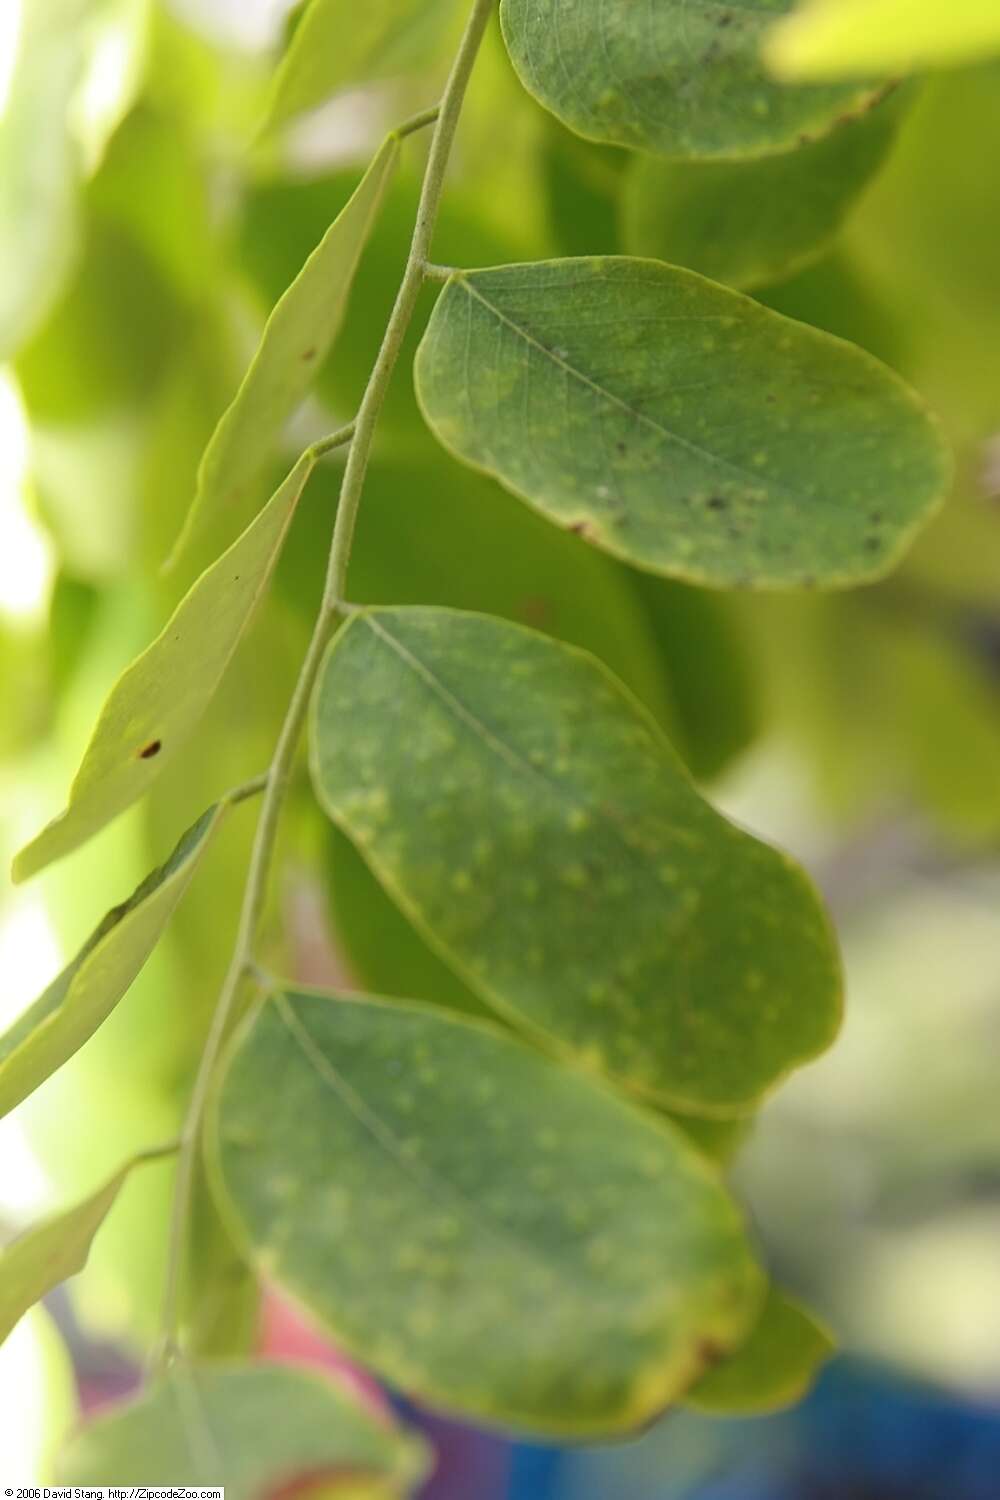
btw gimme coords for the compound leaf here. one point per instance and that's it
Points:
(417, 1176)
(535, 826)
(260, 1429)
(82, 997)
(747, 223)
(155, 704)
(774, 1368)
(339, 45)
(827, 39)
(296, 340)
(682, 78)
(58, 1247)
(678, 425)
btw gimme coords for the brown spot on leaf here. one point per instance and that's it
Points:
(581, 528)
(309, 354)
(148, 751)
(711, 1353)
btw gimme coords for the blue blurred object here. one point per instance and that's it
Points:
(864, 1434)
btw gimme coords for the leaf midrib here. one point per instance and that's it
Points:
(508, 753)
(747, 476)
(480, 1224)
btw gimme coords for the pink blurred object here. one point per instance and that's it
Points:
(286, 1334)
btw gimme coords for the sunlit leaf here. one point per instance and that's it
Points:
(679, 425)
(774, 1368)
(258, 1429)
(45, 1255)
(827, 39)
(295, 341)
(83, 996)
(39, 164)
(537, 828)
(418, 1176)
(339, 45)
(158, 700)
(679, 78)
(746, 223)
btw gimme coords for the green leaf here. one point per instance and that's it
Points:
(702, 643)
(259, 1429)
(747, 223)
(221, 1294)
(71, 371)
(418, 1176)
(774, 1368)
(679, 425)
(682, 651)
(39, 164)
(158, 700)
(296, 339)
(283, 219)
(532, 822)
(82, 997)
(382, 950)
(843, 38)
(390, 957)
(558, 583)
(719, 1140)
(338, 45)
(155, 182)
(58, 1247)
(679, 77)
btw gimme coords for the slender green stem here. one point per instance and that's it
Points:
(417, 122)
(406, 300)
(337, 439)
(359, 434)
(157, 1153)
(247, 790)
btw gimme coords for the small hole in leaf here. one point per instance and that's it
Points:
(148, 751)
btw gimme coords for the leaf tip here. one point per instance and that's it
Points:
(26, 862)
